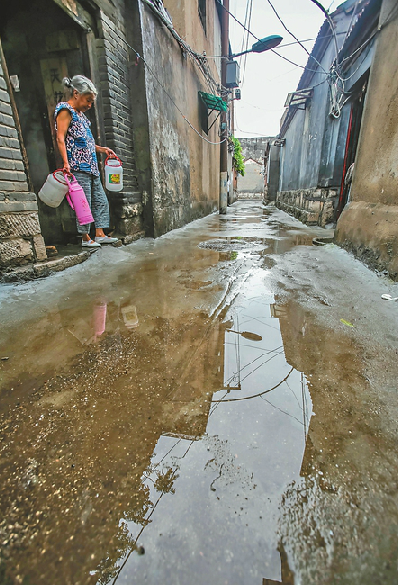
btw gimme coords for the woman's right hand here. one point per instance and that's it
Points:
(66, 169)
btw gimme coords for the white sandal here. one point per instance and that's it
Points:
(106, 240)
(90, 244)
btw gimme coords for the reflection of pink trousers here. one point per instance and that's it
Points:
(99, 318)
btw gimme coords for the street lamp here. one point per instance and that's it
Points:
(232, 68)
(262, 45)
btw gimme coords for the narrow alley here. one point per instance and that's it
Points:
(216, 406)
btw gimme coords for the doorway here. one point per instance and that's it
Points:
(354, 128)
(41, 45)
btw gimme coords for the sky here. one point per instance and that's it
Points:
(267, 79)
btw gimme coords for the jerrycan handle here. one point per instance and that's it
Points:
(112, 156)
(68, 197)
(67, 180)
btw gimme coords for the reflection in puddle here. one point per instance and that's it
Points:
(213, 499)
(142, 441)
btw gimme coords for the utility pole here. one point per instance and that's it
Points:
(224, 124)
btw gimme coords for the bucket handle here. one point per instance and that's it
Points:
(113, 156)
(68, 197)
(66, 179)
(57, 171)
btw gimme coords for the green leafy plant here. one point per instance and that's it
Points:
(237, 157)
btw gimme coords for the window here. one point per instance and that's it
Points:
(202, 13)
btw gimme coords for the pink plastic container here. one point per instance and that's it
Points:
(78, 202)
(99, 318)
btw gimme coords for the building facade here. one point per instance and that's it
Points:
(147, 61)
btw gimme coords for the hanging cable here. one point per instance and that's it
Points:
(199, 59)
(297, 65)
(244, 28)
(247, 42)
(294, 36)
(388, 19)
(358, 68)
(236, 20)
(272, 50)
(169, 96)
(331, 24)
(354, 11)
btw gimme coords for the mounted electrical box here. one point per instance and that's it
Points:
(233, 74)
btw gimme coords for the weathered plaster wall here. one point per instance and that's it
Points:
(20, 238)
(185, 169)
(369, 224)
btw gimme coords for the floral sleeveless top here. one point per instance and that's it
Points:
(79, 141)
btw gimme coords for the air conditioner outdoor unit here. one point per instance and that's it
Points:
(233, 74)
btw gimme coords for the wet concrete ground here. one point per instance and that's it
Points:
(218, 406)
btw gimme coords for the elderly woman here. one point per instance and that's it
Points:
(78, 150)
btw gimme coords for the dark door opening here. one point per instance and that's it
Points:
(354, 128)
(41, 45)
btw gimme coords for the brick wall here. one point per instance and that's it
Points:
(117, 101)
(20, 237)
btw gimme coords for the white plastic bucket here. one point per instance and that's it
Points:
(113, 174)
(54, 189)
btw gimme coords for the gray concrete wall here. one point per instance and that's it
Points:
(20, 237)
(273, 173)
(369, 224)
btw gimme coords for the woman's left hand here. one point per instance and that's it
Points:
(107, 151)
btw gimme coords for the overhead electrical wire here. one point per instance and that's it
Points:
(199, 59)
(357, 69)
(337, 94)
(331, 24)
(354, 11)
(244, 26)
(294, 36)
(370, 38)
(272, 50)
(172, 100)
(247, 42)
(141, 58)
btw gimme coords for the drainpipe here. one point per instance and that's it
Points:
(224, 146)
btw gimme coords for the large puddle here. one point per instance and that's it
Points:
(165, 419)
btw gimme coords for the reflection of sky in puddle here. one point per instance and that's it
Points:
(215, 500)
